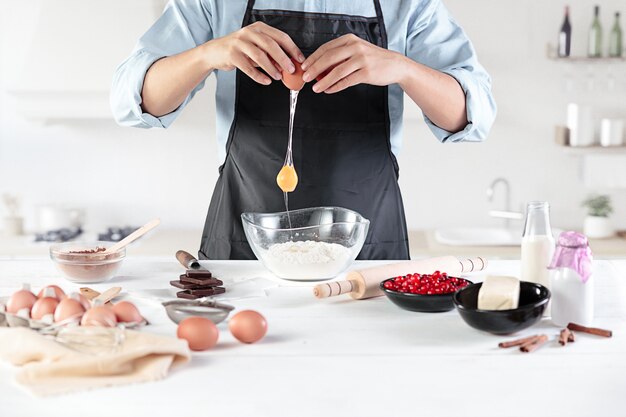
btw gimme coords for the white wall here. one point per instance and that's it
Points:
(125, 176)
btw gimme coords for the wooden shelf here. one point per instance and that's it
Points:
(551, 53)
(587, 60)
(589, 150)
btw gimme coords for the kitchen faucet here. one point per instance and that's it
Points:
(505, 214)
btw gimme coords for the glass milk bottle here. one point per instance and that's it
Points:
(571, 281)
(537, 244)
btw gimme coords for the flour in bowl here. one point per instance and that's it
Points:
(307, 260)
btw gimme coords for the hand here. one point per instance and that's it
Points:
(350, 60)
(256, 45)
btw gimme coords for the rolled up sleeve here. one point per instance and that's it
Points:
(437, 41)
(183, 25)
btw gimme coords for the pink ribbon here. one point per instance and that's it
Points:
(573, 251)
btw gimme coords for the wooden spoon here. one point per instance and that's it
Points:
(133, 236)
(105, 297)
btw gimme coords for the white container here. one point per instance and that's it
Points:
(13, 226)
(572, 300)
(59, 217)
(580, 124)
(612, 132)
(597, 227)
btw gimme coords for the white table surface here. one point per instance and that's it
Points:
(339, 357)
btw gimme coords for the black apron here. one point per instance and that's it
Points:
(341, 147)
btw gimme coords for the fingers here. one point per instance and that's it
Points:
(353, 79)
(341, 41)
(276, 53)
(260, 57)
(337, 74)
(327, 61)
(243, 63)
(285, 42)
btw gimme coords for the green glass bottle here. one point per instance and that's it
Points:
(595, 36)
(616, 48)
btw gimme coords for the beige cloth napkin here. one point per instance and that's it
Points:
(49, 367)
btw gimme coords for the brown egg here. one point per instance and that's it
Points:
(294, 81)
(199, 332)
(81, 299)
(127, 312)
(59, 294)
(19, 300)
(68, 307)
(102, 316)
(43, 307)
(287, 179)
(248, 326)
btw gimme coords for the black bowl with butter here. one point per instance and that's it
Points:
(533, 301)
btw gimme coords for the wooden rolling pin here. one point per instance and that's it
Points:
(365, 283)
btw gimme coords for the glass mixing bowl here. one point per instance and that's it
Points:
(86, 268)
(309, 244)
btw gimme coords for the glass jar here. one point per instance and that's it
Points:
(572, 285)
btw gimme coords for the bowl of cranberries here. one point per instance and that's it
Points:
(430, 293)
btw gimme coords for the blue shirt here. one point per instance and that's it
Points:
(423, 30)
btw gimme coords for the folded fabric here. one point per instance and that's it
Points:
(49, 367)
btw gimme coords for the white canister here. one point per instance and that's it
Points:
(571, 282)
(580, 124)
(612, 132)
(59, 217)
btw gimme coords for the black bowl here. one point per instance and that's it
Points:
(425, 303)
(533, 300)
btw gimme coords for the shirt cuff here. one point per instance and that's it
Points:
(470, 132)
(144, 61)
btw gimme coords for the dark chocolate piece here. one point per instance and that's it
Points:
(189, 286)
(197, 281)
(198, 273)
(194, 294)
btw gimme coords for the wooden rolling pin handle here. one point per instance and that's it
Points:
(187, 260)
(332, 289)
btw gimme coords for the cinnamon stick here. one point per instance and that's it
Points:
(534, 345)
(517, 342)
(564, 336)
(590, 330)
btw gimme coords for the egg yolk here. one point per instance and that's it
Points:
(287, 179)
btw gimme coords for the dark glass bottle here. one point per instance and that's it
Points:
(565, 36)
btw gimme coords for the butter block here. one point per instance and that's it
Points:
(499, 293)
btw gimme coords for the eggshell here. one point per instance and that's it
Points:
(294, 81)
(287, 179)
(248, 326)
(127, 312)
(68, 307)
(199, 332)
(102, 316)
(59, 294)
(19, 300)
(43, 306)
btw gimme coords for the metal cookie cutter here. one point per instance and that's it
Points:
(178, 310)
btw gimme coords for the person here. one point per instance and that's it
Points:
(358, 57)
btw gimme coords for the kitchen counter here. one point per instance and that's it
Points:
(164, 242)
(339, 357)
